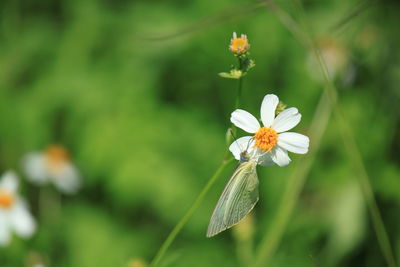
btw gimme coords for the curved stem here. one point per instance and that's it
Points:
(363, 179)
(296, 182)
(355, 156)
(171, 237)
(271, 240)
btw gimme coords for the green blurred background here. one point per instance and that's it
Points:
(131, 89)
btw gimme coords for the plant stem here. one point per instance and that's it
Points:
(171, 237)
(273, 236)
(49, 204)
(377, 222)
(237, 105)
(296, 182)
(362, 176)
(355, 156)
(239, 93)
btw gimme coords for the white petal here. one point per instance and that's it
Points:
(266, 160)
(280, 156)
(286, 120)
(245, 121)
(35, 168)
(68, 180)
(294, 142)
(5, 231)
(268, 108)
(21, 220)
(9, 182)
(240, 145)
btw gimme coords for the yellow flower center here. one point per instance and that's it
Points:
(265, 138)
(239, 45)
(56, 157)
(6, 199)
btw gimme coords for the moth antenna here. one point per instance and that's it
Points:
(234, 137)
(237, 143)
(232, 133)
(248, 143)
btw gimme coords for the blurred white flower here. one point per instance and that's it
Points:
(14, 214)
(52, 166)
(335, 56)
(269, 144)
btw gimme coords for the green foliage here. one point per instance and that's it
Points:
(145, 118)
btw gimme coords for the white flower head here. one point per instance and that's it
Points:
(14, 214)
(336, 59)
(52, 166)
(271, 142)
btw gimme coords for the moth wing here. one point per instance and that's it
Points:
(237, 200)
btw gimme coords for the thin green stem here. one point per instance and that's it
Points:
(227, 159)
(377, 222)
(49, 204)
(171, 237)
(363, 179)
(237, 105)
(328, 102)
(239, 93)
(233, 129)
(296, 182)
(355, 156)
(240, 83)
(287, 21)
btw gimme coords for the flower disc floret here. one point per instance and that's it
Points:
(239, 45)
(56, 156)
(265, 138)
(6, 199)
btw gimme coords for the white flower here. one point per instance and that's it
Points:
(336, 59)
(52, 165)
(14, 214)
(269, 144)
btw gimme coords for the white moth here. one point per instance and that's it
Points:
(238, 198)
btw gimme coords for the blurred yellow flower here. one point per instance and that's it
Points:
(137, 263)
